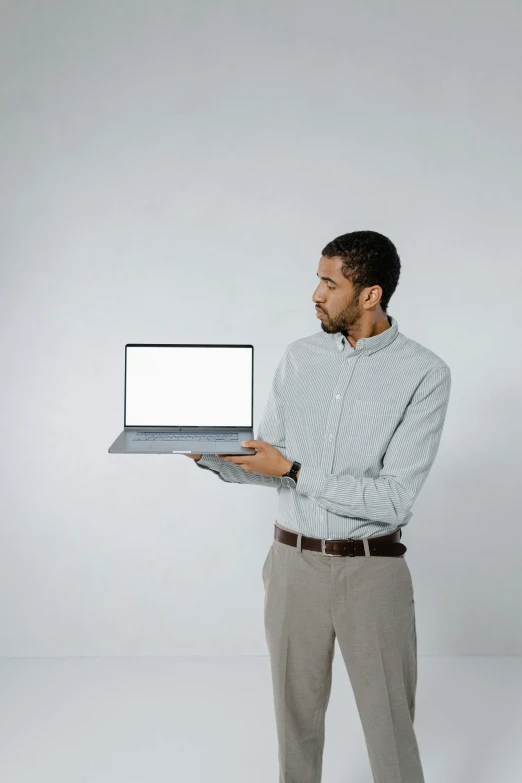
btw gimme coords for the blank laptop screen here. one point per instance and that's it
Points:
(188, 386)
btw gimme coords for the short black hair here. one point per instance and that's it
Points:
(369, 258)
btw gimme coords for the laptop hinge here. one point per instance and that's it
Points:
(185, 429)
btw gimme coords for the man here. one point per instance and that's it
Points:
(348, 437)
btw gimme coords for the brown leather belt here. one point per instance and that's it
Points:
(381, 546)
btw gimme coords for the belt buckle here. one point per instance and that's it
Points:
(345, 544)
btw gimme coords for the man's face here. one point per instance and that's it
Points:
(335, 297)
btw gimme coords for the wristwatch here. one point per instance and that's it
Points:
(290, 479)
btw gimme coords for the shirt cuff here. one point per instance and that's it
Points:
(310, 481)
(209, 461)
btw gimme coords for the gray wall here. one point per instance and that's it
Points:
(170, 173)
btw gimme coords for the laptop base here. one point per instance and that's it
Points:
(125, 444)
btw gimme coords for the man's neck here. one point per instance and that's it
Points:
(378, 328)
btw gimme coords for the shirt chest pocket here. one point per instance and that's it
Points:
(371, 426)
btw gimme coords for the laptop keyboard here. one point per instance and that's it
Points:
(211, 436)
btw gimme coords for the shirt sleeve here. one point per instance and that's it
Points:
(271, 430)
(406, 464)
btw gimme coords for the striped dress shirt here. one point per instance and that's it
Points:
(365, 423)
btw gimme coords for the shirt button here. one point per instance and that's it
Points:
(337, 396)
(321, 517)
(330, 436)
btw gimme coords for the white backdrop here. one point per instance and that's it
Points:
(170, 173)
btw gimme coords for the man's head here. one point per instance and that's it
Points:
(359, 271)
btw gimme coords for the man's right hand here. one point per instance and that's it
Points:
(194, 456)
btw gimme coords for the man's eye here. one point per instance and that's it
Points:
(331, 287)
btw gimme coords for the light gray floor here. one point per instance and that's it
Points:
(189, 720)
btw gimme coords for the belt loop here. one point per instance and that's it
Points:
(366, 547)
(299, 545)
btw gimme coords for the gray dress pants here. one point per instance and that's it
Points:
(366, 603)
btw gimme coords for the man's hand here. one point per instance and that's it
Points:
(195, 456)
(267, 462)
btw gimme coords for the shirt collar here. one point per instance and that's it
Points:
(370, 344)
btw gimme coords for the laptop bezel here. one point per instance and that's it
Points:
(192, 428)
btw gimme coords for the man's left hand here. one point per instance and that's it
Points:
(267, 462)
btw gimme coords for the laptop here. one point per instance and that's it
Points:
(185, 398)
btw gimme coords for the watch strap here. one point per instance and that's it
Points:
(292, 473)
